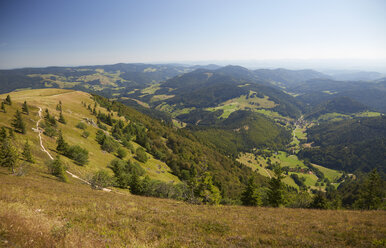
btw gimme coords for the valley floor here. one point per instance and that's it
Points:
(36, 210)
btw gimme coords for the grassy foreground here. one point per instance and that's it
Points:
(36, 210)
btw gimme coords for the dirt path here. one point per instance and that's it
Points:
(49, 155)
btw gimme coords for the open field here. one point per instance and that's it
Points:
(332, 175)
(242, 103)
(38, 211)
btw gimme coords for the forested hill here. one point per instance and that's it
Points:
(316, 91)
(93, 131)
(288, 78)
(183, 153)
(89, 78)
(201, 89)
(342, 105)
(349, 145)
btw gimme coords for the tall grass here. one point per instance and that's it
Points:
(36, 210)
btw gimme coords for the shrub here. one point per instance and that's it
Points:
(81, 125)
(101, 179)
(85, 134)
(57, 168)
(77, 153)
(141, 155)
(121, 153)
(109, 145)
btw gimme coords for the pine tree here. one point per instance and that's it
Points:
(3, 133)
(109, 120)
(8, 100)
(250, 197)
(8, 155)
(47, 114)
(18, 123)
(62, 146)
(276, 188)
(135, 184)
(371, 192)
(3, 107)
(57, 169)
(11, 133)
(61, 118)
(24, 108)
(59, 106)
(27, 152)
(319, 201)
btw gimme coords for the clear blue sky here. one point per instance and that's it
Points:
(69, 32)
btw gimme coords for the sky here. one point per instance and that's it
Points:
(36, 33)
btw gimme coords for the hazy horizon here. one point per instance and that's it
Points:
(298, 34)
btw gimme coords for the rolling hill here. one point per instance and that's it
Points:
(317, 91)
(341, 105)
(350, 145)
(104, 79)
(171, 156)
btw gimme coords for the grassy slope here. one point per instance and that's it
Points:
(73, 112)
(38, 211)
(291, 161)
(242, 103)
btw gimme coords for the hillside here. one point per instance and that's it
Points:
(226, 89)
(288, 78)
(243, 131)
(350, 145)
(340, 105)
(104, 79)
(73, 113)
(41, 212)
(317, 91)
(171, 156)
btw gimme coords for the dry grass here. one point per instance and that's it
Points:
(38, 211)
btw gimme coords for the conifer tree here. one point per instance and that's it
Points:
(135, 184)
(8, 100)
(8, 155)
(57, 169)
(11, 133)
(59, 106)
(62, 146)
(109, 120)
(250, 197)
(27, 152)
(276, 188)
(319, 201)
(3, 133)
(3, 107)
(371, 192)
(18, 123)
(61, 118)
(24, 108)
